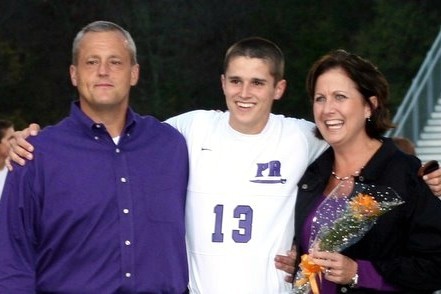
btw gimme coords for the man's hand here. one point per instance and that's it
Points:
(20, 149)
(286, 263)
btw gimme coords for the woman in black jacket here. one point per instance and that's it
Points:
(402, 251)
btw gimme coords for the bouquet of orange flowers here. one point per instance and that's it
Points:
(341, 220)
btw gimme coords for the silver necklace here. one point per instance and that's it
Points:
(356, 173)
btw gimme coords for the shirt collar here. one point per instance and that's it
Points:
(80, 117)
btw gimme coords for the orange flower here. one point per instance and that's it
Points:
(308, 266)
(364, 206)
(310, 271)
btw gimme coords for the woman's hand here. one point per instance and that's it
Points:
(337, 267)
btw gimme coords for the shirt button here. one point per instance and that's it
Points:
(96, 138)
(344, 290)
(361, 178)
(305, 186)
(125, 211)
(128, 275)
(124, 180)
(98, 126)
(117, 150)
(127, 242)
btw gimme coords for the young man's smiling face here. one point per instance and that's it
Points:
(250, 90)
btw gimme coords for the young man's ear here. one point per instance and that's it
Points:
(223, 82)
(280, 89)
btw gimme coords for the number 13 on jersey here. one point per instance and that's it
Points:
(244, 216)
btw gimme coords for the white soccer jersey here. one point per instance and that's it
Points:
(240, 201)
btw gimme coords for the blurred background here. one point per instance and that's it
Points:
(181, 44)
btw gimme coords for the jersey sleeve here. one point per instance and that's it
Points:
(183, 122)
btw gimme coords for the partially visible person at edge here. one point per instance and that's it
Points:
(405, 145)
(6, 131)
(101, 207)
(402, 251)
(244, 177)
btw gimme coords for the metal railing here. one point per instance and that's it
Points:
(419, 101)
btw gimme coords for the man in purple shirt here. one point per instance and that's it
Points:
(101, 207)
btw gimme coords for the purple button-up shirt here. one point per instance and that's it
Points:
(91, 216)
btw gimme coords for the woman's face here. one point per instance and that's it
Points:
(340, 111)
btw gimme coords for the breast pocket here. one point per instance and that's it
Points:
(164, 200)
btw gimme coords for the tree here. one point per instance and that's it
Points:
(397, 40)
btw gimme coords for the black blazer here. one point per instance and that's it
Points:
(405, 243)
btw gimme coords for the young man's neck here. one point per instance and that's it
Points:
(248, 129)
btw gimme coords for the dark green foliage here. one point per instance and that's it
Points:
(181, 45)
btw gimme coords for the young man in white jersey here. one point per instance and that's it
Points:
(244, 167)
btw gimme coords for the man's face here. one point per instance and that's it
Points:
(4, 143)
(104, 73)
(250, 90)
